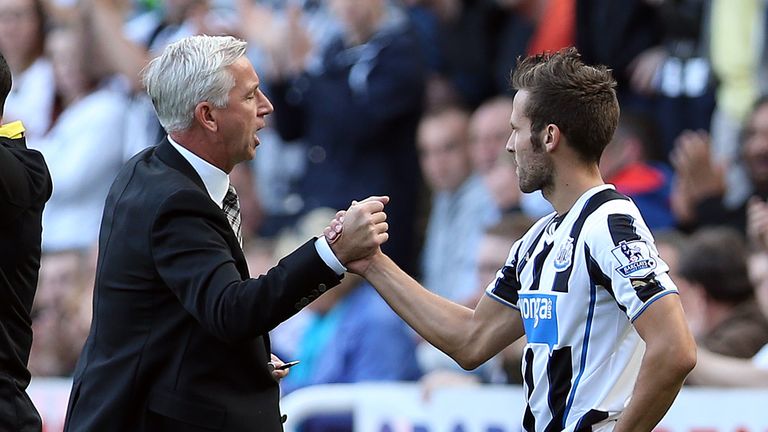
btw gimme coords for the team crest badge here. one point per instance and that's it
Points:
(564, 255)
(634, 258)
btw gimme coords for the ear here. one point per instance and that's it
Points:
(205, 116)
(551, 138)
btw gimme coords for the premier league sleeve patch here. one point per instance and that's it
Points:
(634, 259)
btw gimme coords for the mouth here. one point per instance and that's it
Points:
(256, 140)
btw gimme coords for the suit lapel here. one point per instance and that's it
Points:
(174, 159)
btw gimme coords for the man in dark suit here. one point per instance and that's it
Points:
(25, 186)
(179, 339)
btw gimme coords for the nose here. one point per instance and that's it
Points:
(510, 146)
(265, 106)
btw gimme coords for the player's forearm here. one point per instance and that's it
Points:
(661, 376)
(439, 321)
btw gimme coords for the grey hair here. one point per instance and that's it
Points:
(191, 71)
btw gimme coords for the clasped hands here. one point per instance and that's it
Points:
(357, 233)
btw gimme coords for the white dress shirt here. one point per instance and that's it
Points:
(216, 183)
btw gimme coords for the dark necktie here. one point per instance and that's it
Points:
(231, 206)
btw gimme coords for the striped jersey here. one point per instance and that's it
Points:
(579, 280)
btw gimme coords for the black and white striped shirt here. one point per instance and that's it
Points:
(579, 280)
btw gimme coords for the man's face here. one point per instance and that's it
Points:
(65, 51)
(535, 170)
(488, 131)
(491, 256)
(755, 150)
(19, 29)
(244, 114)
(359, 17)
(443, 152)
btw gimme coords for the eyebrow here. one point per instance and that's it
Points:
(253, 89)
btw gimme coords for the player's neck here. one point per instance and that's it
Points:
(570, 184)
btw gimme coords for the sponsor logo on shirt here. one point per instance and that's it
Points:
(539, 312)
(634, 258)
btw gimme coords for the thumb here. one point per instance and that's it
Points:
(384, 199)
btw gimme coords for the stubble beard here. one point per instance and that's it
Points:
(539, 173)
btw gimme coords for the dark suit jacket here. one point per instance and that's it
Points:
(25, 186)
(179, 339)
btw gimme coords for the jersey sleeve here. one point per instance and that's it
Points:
(622, 254)
(505, 287)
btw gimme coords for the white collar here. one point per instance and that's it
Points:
(215, 180)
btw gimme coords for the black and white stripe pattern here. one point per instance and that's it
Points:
(578, 281)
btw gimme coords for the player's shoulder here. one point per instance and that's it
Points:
(614, 217)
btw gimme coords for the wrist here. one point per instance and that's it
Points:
(376, 264)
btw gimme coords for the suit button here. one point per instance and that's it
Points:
(304, 301)
(283, 418)
(297, 306)
(322, 288)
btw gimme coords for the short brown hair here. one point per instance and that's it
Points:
(716, 259)
(578, 98)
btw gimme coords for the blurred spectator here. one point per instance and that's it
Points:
(757, 228)
(278, 165)
(461, 206)
(61, 312)
(84, 147)
(710, 367)
(22, 39)
(467, 32)
(352, 336)
(736, 33)
(670, 243)
(675, 75)
(357, 109)
(698, 196)
(626, 164)
(713, 265)
(717, 370)
(615, 33)
(489, 131)
(521, 33)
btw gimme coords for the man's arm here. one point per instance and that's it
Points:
(194, 260)
(468, 336)
(670, 353)
(710, 371)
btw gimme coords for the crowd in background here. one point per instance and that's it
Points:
(411, 99)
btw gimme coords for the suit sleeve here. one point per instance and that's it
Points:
(193, 258)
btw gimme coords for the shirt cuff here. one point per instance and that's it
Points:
(328, 257)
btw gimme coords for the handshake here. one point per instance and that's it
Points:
(356, 234)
